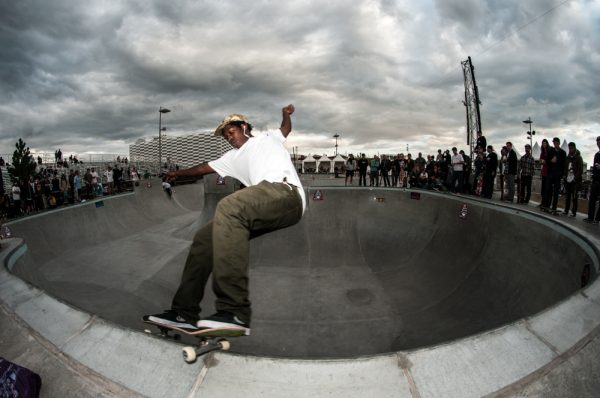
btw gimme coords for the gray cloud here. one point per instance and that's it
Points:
(383, 74)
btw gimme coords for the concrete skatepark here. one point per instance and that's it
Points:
(375, 293)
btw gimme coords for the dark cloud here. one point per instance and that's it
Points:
(383, 74)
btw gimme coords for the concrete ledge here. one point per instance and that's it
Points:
(232, 375)
(562, 326)
(150, 366)
(478, 365)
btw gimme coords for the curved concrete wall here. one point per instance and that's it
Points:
(365, 271)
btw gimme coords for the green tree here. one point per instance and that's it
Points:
(23, 165)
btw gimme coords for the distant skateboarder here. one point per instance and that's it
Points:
(273, 199)
(167, 187)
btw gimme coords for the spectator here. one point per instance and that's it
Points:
(64, 189)
(118, 177)
(595, 188)
(135, 177)
(478, 177)
(409, 164)
(420, 161)
(374, 172)
(385, 167)
(423, 181)
(110, 183)
(466, 172)
(511, 172)
(363, 163)
(77, 185)
(413, 177)
(95, 182)
(556, 165)
(481, 143)
(89, 189)
(403, 177)
(38, 196)
(437, 178)
(526, 172)
(5, 211)
(503, 169)
(440, 157)
(489, 173)
(1, 161)
(56, 189)
(350, 167)
(573, 173)
(27, 190)
(430, 164)
(447, 169)
(16, 199)
(457, 171)
(396, 170)
(71, 179)
(545, 202)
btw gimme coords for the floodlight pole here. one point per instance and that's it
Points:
(336, 136)
(161, 110)
(530, 133)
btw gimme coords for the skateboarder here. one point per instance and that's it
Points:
(273, 199)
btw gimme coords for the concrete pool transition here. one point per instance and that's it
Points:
(379, 292)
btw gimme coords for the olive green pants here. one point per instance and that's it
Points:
(222, 247)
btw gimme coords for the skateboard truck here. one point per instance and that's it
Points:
(208, 339)
(206, 345)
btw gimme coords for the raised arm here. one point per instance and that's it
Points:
(192, 172)
(286, 122)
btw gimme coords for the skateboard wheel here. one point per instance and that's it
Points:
(225, 345)
(189, 354)
(148, 331)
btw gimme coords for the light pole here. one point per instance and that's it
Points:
(336, 136)
(530, 133)
(161, 110)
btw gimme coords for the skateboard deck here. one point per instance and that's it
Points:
(208, 339)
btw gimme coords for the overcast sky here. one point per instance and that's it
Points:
(90, 76)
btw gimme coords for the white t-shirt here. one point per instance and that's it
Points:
(261, 158)
(16, 192)
(109, 175)
(457, 162)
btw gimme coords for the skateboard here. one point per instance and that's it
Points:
(208, 339)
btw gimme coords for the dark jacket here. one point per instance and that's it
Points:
(481, 143)
(577, 164)
(512, 162)
(363, 163)
(556, 169)
(491, 164)
(595, 171)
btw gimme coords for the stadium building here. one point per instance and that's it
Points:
(183, 151)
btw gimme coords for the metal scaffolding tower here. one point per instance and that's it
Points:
(472, 103)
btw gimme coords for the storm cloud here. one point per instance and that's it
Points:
(91, 76)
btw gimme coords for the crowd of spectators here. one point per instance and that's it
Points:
(65, 183)
(455, 171)
(450, 170)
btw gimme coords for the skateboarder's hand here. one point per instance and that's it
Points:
(289, 109)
